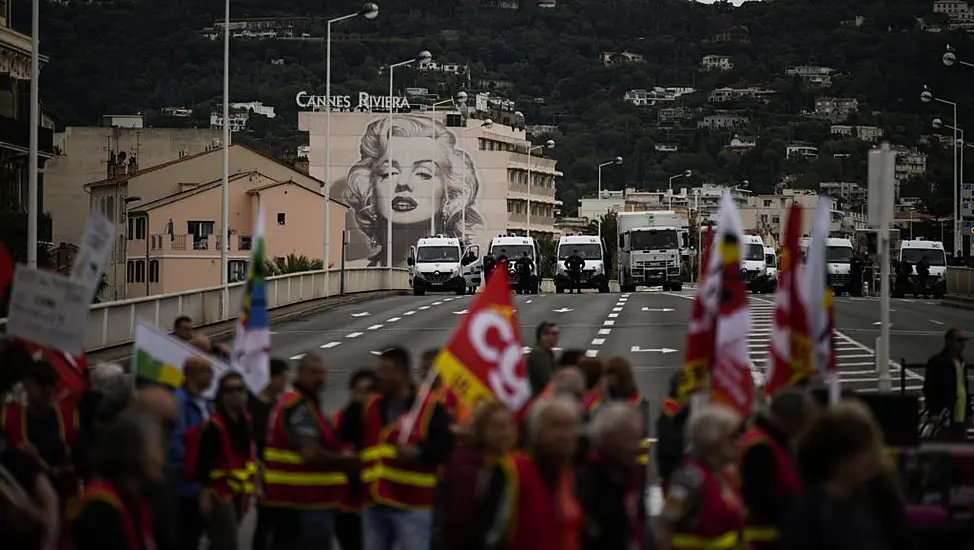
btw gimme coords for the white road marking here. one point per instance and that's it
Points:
(592, 353)
(375, 327)
(529, 301)
(598, 341)
(617, 309)
(637, 349)
(461, 312)
(329, 345)
(376, 352)
(408, 313)
(353, 335)
(563, 310)
(664, 310)
(931, 320)
(393, 319)
(626, 295)
(297, 357)
(608, 323)
(361, 314)
(447, 299)
(613, 315)
(424, 307)
(605, 331)
(436, 303)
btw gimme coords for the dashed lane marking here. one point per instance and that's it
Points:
(353, 335)
(424, 307)
(375, 327)
(605, 331)
(608, 323)
(393, 319)
(436, 303)
(592, 353)
(329, 345)
(598, 341)
(408, 313)
(297, 357)
(934, 321)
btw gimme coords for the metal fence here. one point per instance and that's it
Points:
(112, 324)
(960, 281)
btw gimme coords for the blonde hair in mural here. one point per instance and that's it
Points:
(455, 178)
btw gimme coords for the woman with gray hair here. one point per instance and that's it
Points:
(703, 509)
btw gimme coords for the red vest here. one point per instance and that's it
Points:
(289, 482)
(354, 498)
(539, 519)
(788, 483)
(234, 472)
(391, 483)
(140, 537)
(591, 402)
(721, 517)
(14, 421)
(670, 407)
(595, 400)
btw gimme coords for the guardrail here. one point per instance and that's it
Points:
(960, 281)
(112, 324)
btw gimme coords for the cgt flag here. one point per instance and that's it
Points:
(700, 331)
(483, 361)
(818, 296)
(790, 346)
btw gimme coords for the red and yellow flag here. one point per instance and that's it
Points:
(483, 360)
(700, 330)
(790, 353)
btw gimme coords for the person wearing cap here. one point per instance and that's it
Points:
(945, 387)
(47, 430)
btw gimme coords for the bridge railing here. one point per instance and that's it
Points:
(112, 324)
(960, 281)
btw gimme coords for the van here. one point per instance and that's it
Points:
(592, 251)
(438, 264)
(513, 247)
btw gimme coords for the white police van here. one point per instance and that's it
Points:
(514, 247)
(438, 264)
(591, 250)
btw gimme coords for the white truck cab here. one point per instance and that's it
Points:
(771, 266)
(839, 253)
(513, 247)
(438, 264)
(754, 269)
(591, 250)
(913, 251)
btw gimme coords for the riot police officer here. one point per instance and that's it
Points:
(488, 265)
(525, 268)
(574, 265)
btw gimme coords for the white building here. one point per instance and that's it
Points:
(615, 58)
(717, 63)
(255, 107)
(812, 74)
(723, 121)
(643, 98)
(799, 150)
(238, 120)
(848, 191)
(723, 95)
(862, 133)
(303, 151)
(836, 109)
(667, 148)
(442, 68)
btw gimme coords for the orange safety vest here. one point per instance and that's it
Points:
(722, 517)
(541, 517)
(762, 534)
(354, 497)
(290, 482)
(670, 407)
(14, 422)
(391, 483)
(102, 491)
(235, 471)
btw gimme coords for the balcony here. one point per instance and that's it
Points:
(16, 135)
(539, 193)
(164, 244)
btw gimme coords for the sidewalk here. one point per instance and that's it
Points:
(224, 330)
(962, 302)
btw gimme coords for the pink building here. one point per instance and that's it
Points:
(170, 220)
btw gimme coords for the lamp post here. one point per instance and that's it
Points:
(35, 121)
(550, 144)
(423, 57)
(369, 11)
(487, 123)
(927, 96)
(685, 174)
(959, 143)
(461, 98)
(950, 58)
(617, 160)
(225, 185)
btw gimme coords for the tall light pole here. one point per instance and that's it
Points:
(550, 144)
(927, 96)
(369, 11)
(950, 59)
(958, 144)
(685, 174)
(225, 186)
(35, 122)
(617, 160)
(487, 123)
(461, 98)
(423, 57)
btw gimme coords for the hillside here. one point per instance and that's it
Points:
(134, 55)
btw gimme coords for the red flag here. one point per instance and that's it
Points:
(790, 353)
(70, 370)
(700, 330)
(483, 360)
(6, 269)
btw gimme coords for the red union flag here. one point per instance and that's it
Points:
(483, 360)
(700, 330)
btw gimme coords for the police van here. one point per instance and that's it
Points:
(591, 250)
(513, 247)
(438, 264)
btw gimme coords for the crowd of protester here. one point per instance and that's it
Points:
(156, 468)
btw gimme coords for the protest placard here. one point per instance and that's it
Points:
(48, 309)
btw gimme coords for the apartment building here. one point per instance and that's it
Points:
(717, 63)
(616, 58)
(723, 121)
(813, 74)
(836, 109)
(644, 98)
(724, 95)
(862, 133)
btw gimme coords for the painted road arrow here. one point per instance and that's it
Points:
(635, 349)
(563, 310)
(654, 309)
(362, 314)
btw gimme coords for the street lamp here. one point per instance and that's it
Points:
(927, 96)
(950, 58)
(959, 143)
(685, 174)
(617, 160)
(550, 144)
(369, 11)
(225, 183)
(461, 98)
(35, 122)
(487, 123)
(423, 57)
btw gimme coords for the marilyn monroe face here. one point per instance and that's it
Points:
(417, 186)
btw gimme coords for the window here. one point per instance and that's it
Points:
(120, 250)
(130, 272)
(110, 209)
(236, 270)
(775, 219)
(136, 228)
(281, 218)
(140, 271)
(244, 242)
(201, 232)
(154, 271)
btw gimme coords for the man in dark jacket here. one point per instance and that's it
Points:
(669, 432)
(945, 386)
(525, 274)
(574, 265)
(541, 360)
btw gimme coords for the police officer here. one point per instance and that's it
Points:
(524, 269)
(923, 273)
(574, 265)
(488, 265)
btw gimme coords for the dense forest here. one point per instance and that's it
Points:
(139, 55)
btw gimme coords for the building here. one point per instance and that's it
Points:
(500, 4)
(89, 153)
(667, 148)
(239, 118)
(836, 109)
(862, 133)
(703, 201)
(909, 163)
(767, 214)
(717, 63)
(723, 121)
(479, 190)
(848, 191)
(441, 68)
(812, 74)
(643, 98)
(672, 115)
(801, 150)
(740, 34)
(197, 220)
(958, 12)
(741, 145)
(123, 121)
(724, 95)
(615, 58)
(255, 108)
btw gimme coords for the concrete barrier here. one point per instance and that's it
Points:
(112, 324)
(960, 281)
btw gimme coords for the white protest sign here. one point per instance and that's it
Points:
(160, 357)
(95, 250)
(48, 309)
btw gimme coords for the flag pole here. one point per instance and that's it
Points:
(424, 390)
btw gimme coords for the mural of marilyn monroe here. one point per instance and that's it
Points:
(432, 178)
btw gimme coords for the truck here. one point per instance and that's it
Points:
(649, 251)
(911, 252)
(838, 260)
(682, 225)
(438, 264)
(592, 251)
(754, 267)
(514, 247)
(771, 267)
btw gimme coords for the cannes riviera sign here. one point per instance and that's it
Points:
(364, 102)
